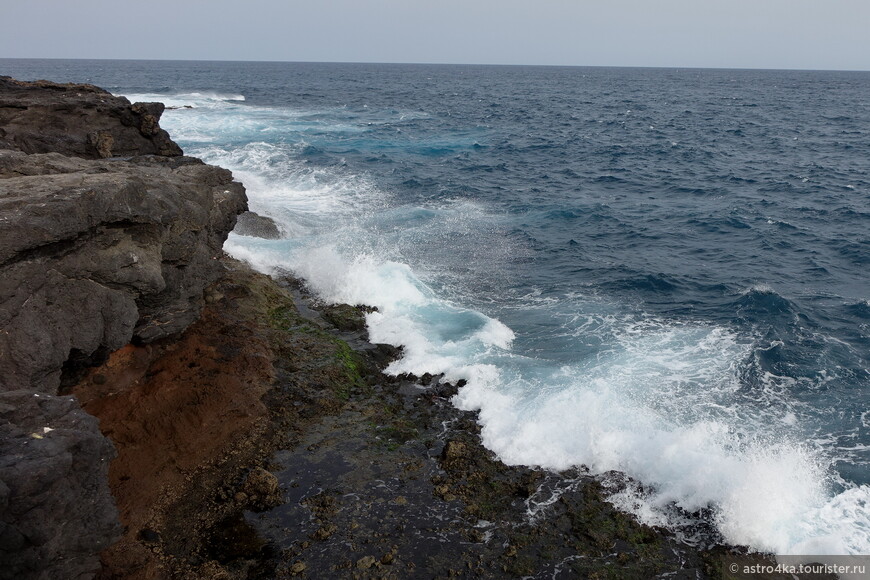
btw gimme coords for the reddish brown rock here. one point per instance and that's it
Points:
(177, 405)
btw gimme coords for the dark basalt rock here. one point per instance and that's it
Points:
(345, 317)
(95, 254)
(55, 508)
(78, 120)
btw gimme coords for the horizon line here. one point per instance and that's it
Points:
(482, 64)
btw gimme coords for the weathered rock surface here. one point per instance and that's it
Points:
(95, 254)
(174, 406)
(108, 236)
(54, 509)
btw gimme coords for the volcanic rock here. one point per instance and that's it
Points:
(55, 509)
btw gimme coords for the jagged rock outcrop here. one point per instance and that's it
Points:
(108, 235)
(80, 120)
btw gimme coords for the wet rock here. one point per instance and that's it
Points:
(345, 317)
(382, 355)
(325, 532)
(297, 567)
(257, 226)
(454, 451)
(261, 487)
(447, 390)
(427, 379)
(260, 483)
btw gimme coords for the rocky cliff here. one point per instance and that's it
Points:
(108, 236)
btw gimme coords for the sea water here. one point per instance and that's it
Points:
(661, 272)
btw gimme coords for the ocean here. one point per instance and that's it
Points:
(656, 272)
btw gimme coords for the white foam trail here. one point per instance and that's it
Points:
(191, 99)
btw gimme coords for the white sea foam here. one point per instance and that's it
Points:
(758, 288)
(303, 200)
(765, 489)
(188, 99)
(438, 336)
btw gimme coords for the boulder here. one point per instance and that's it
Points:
(257, 226)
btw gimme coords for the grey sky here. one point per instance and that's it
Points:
(814, 34)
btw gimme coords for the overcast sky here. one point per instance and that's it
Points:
(808, 34)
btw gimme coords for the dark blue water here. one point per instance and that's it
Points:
(658, 271)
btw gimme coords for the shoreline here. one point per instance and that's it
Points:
(380, 477)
